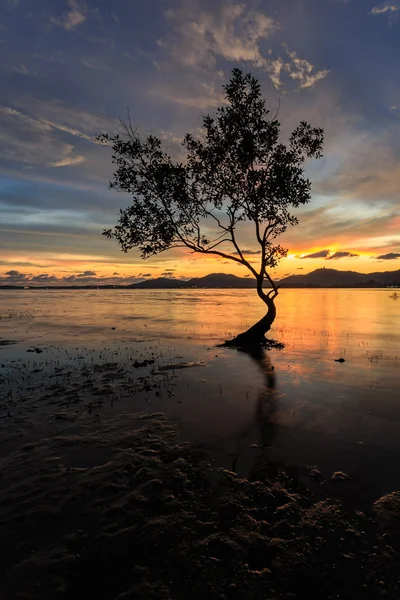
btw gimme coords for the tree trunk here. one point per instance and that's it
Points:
(255, 336)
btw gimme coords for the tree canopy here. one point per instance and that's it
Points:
(236, 170)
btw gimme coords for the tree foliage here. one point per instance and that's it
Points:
(235, 170)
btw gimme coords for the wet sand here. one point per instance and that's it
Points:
(138, 460)
(105, 490)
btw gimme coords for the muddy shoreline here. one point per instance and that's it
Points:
(115, 502)
(158, 519)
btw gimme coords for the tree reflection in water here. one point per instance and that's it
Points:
(266, 407)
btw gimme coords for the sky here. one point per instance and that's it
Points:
(69, 69)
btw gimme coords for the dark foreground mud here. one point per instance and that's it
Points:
(129, 512)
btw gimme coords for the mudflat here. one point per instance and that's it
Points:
(142, 466)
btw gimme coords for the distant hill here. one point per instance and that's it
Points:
(320, 278)
(214, 280)
(159, 283)
(222, 280)
(333, 278)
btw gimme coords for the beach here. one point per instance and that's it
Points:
(139, 459)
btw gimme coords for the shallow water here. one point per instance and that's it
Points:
(308, 409)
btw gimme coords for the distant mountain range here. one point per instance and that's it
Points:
(214, 280)
(320, 278)
(333, 278)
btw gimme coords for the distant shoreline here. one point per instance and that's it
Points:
(129, 287)
(320, 278)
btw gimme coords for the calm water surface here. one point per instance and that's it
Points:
(308, 409)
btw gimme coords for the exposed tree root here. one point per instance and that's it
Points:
(255, 336)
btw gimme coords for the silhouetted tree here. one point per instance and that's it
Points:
(235, 170)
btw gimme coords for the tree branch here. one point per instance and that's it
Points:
(217, 244)
(211, 214)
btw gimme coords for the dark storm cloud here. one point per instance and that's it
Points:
(389, 256)
(341, 254)
(320, 254)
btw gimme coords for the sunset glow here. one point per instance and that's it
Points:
(71, 68)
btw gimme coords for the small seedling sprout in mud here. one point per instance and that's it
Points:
(236, 171)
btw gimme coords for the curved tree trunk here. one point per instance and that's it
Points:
(256, 334)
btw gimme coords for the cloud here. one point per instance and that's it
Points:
(27, 139)
(87, 274)
(303, 71)
(67, 119)
(73, 17)
(68, 161)
(18, 278)
(229, 31)
(387, 7)
(44, 278)
(197, 94)
(235, 33)
(21, 70)
(341, 254)
(96, 63)
(390, 256)
(16, 275)
(320, 254)
(364, 164)
(8, 111)
(248, 252)
(40, 136)
(55, 105)
(21, 263)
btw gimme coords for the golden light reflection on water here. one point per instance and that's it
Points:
(307, 320)
(232, 400)
(316, 326)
